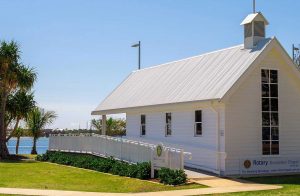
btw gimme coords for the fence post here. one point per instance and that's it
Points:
(152, 166)
(181, 159)
(121, 157)
(167, 155)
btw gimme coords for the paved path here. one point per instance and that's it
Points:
(201, 191)
(215, 184)
(198, 174)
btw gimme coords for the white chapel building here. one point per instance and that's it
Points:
(237, 110)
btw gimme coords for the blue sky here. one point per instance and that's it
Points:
(81, 49)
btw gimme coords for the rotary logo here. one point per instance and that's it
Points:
(247, 164)
(159, 150)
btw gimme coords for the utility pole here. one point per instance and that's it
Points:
(254, 9)
(139, 55)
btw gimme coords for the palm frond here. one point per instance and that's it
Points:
(37, 120)
(26, 77)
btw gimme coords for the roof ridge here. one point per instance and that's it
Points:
(204, 54)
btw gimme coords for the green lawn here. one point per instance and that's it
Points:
(8, 195)
(41, 175)
(291, 186)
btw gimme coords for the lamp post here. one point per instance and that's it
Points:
(139, 46)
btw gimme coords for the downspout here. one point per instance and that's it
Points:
(217, 111)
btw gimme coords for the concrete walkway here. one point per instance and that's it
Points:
(201, 191)
(216, 185)
(191, 174)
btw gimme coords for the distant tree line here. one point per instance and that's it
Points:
(114, 127)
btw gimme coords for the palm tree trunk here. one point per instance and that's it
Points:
(17, 145)
(14, 130)
(33, 151)
(3, 148)
(7, 122)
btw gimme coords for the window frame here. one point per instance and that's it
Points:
(270, 126)
(198, 122)
(142, 125)
(168, 125)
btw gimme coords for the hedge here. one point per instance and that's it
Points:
(110, 165)
(173, 177)
(107, 165)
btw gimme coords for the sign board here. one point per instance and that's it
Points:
(269, 165)
(159, 158)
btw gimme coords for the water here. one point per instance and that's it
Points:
(26, 145)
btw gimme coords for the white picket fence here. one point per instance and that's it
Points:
(118, 148)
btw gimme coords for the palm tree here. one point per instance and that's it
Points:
(97, 124)
(18, 106)
(13, 75)
(115, 127)
(18, 133)
(36, 121)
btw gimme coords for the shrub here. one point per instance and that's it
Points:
(43, 157)
(110, 165)
(132, 171)
(116, 168)
(107, 165)
(172, 177)
(143, 170)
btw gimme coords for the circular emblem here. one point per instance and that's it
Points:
(159, 150)
(247, 164)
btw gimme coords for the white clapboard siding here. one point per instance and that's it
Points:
(243, 115)
(203, 148)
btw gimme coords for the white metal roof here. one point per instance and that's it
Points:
(255, 16)
(204, 77)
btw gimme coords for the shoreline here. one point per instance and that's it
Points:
(26, 137)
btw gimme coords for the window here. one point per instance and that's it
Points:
(259, 28)
(248, 30)
(143, 124)
(270, 116)
(198, 123)
(168, 124)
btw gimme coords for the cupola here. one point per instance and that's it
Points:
(254, 29)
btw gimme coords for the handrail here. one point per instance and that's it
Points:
(152, 146)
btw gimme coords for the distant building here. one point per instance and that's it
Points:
(237, 110)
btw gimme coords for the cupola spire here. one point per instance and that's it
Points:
(254, 28)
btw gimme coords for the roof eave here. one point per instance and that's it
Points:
(124, 110)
